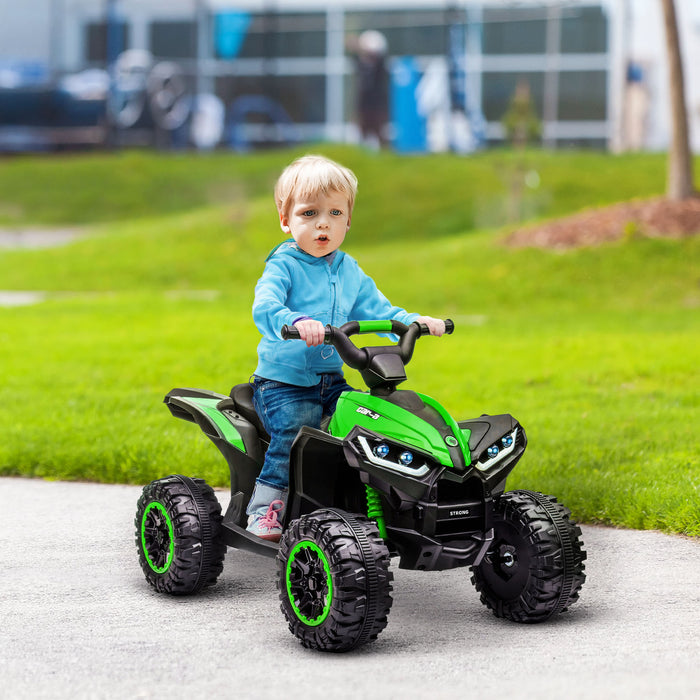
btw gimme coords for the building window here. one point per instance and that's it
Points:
(515, 31)
(498, 90)
(407, 31)
(584, 30)
(582, 96)
(285, 36)
(96, 41)
(173, 40)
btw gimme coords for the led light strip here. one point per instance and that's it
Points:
(410, 471)
(501, 454)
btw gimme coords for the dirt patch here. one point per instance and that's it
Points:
(649, 217)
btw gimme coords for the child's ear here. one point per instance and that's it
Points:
(284, 223)
(347, 226)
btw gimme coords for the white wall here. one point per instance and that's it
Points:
(25, 30)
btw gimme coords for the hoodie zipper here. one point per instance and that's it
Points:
(333, 279)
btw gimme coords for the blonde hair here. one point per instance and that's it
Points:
(312, 175)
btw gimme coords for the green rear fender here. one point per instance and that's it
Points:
(204, 411)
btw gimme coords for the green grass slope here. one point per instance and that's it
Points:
(436, 194)
(593, 350)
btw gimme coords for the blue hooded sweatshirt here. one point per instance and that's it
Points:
(332, 290)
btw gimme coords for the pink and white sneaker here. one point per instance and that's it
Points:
(266, 525)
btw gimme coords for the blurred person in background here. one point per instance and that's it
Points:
(369, 49)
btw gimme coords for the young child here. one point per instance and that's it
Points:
(307, 282)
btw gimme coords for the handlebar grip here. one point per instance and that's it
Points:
(449, 327)
(290, 333)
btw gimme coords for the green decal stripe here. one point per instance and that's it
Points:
(156, 505)
(224, 426)
(462, 439)
(307, 544)
(375, 326)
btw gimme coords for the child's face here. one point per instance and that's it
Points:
(318, 223)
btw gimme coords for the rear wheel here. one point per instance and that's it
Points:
(334, 580)
(534, 568)
(178, 535)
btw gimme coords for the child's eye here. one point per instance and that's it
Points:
(336, 212)
(308, 212)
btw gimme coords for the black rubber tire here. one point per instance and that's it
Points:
(332, 549)
(534, 568)
(178, 535)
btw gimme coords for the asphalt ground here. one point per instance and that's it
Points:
(78, 620)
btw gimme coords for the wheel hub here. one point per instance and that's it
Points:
(309, 583)
(160, 538)
(503, 559)
(507, 558)
(157, 537)
(312, 583)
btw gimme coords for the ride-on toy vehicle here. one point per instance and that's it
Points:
(391, 474)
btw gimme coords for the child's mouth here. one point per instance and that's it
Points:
(322, 239)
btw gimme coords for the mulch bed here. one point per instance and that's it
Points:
(649, 217)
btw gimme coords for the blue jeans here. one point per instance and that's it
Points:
(283, 410)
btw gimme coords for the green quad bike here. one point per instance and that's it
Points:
(392, 474)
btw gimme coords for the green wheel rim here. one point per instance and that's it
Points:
(157, 537)
(309, 583)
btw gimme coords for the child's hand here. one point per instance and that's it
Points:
(435, 325)
(313, 332)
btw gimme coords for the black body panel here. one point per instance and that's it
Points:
(436, 517)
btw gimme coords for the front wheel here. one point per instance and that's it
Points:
(178, 526)
(534, 567)
(334, 580)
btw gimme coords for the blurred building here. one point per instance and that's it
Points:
(278, 70)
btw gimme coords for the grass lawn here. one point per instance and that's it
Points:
(593, 350)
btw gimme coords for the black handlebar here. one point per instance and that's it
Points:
(359, 358)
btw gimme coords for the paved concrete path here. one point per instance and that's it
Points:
(77, 620)
(38, 238)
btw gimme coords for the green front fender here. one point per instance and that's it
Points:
(448, 445)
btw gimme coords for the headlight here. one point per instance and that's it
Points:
(498, 451)
(392, 457)
(381, 450)
(406, 458)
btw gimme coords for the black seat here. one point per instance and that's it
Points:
(242, 396)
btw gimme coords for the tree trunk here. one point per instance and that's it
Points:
(680, 169)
